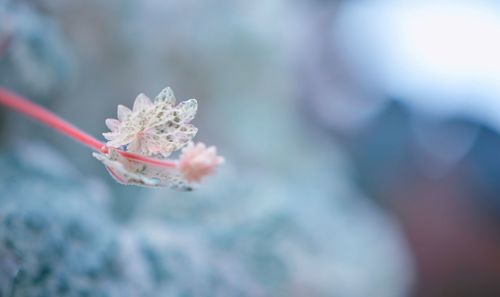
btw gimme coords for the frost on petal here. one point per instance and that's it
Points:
(154, 146)
(172, 134)
(187, 110)
(174, 137)
(123, 113)
(184, 134)
(112, 124)
(130, 172)
(166, 96)
(141, 102)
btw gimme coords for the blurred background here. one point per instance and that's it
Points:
(361, 138)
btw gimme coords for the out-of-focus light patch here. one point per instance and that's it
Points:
(443, 145)
(442, 56)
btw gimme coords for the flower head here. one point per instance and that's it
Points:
(157, 128)
(153, 128)
(197, 161)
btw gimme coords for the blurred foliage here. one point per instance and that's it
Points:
(33, 55)
(281, 219)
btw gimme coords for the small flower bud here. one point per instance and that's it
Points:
(198, 161)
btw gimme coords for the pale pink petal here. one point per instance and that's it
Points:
(141, 102)
(120, 140)
(109, 135)
(138, 146)
(112, 124)
(123, 113)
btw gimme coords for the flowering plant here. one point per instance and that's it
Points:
(140, 140)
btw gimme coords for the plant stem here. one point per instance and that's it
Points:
(48, 118)
(39, 113)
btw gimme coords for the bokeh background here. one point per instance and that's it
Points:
(361, 140)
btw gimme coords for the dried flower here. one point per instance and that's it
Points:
(153, 128)
(198, 161)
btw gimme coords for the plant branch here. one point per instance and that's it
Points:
(42, 115)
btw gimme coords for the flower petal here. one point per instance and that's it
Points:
(120, 140)
(110, 135)
(167, 96)
(112, 124)
(119, 171)
(185, 133)
(141, 102)
(177, 138)
(137, 173)
(123, 113)
(187, 110)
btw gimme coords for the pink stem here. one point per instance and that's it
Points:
(152, 161)
(34, 111)
(42, 115)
